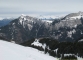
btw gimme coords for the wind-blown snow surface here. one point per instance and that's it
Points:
(11, 51)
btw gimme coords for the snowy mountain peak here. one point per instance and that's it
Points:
(77, 15)
(23, 14)
(28, 21)
(26, 17)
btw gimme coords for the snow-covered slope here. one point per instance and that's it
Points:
(54, 48)
(11, 51)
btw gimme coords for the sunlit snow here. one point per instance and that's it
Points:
(11, 51)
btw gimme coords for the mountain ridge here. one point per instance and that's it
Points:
(27, 27)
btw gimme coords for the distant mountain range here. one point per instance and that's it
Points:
(5, 21)
(47, 17)
(24, 28)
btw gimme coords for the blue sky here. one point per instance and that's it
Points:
(14, 8)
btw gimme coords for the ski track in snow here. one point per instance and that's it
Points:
(11, 51)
